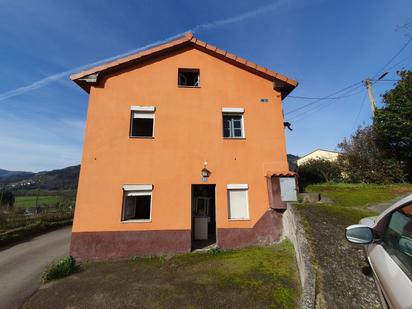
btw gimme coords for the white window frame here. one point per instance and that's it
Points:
(238, 187)
(137, 190)
(142, 112)
(234, 111)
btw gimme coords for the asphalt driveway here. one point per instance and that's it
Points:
(22, 264)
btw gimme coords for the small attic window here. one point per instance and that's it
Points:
(189, 78)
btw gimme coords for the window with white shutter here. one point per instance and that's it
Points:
(137, 203)
(142, 121)
(238, 201)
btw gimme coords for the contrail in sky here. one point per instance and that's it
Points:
(49, 79)
(199, 28)
(238, 18)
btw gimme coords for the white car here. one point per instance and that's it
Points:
(388, 247)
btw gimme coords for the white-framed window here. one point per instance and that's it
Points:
(142, 121)
(238, 201)
(233, 124)
(137, 203)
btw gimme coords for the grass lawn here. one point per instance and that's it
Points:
(343, 276)
(352, 200)
(30, 201)
(258, 277)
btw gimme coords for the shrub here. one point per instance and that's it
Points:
(214, 251)
(59, 269)
(31, 227)
(7, 198)
(318, 171)
(363, 161)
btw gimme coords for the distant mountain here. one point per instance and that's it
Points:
(60, 179)
(6, 173)
(293, 166)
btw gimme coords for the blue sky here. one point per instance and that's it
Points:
(325, 45)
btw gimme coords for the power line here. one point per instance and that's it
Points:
(318, 98)
(323, 98)
(322, 105)
(314, 106)
(391, 59)
(399, 62)
(385, 80)
(304, 115)
(308, 98)
(359, 112)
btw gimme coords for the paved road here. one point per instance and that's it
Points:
(22, 264)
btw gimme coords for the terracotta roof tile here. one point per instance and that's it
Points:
(281, 174)
(221, 51)
(230, 56)
(241, 60)
(199, 42)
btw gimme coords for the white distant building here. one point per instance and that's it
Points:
(318, 154)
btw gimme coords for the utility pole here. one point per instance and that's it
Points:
(368, 85)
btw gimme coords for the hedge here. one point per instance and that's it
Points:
(18, 234)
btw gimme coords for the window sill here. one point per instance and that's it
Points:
(235, 138)
(142, 137)
(246, 219)
(182, 86)
(136, 221)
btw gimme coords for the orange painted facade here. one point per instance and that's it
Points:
(187, 132)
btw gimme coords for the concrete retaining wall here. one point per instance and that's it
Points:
(293, 229)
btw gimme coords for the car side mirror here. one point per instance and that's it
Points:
(359, 234)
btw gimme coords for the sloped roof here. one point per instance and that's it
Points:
(90, 76)
(281, 174)
(319, 149)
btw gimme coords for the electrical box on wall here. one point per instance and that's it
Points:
(288, 190)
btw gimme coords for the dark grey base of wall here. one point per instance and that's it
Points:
(266, 231)
(117, 245)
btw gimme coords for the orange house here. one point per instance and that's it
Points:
(184, 148)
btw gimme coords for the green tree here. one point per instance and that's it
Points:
(393, 122)
(362, 160)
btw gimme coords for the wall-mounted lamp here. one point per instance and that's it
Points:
(205, 172)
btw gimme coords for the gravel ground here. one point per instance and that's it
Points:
(344, 279)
